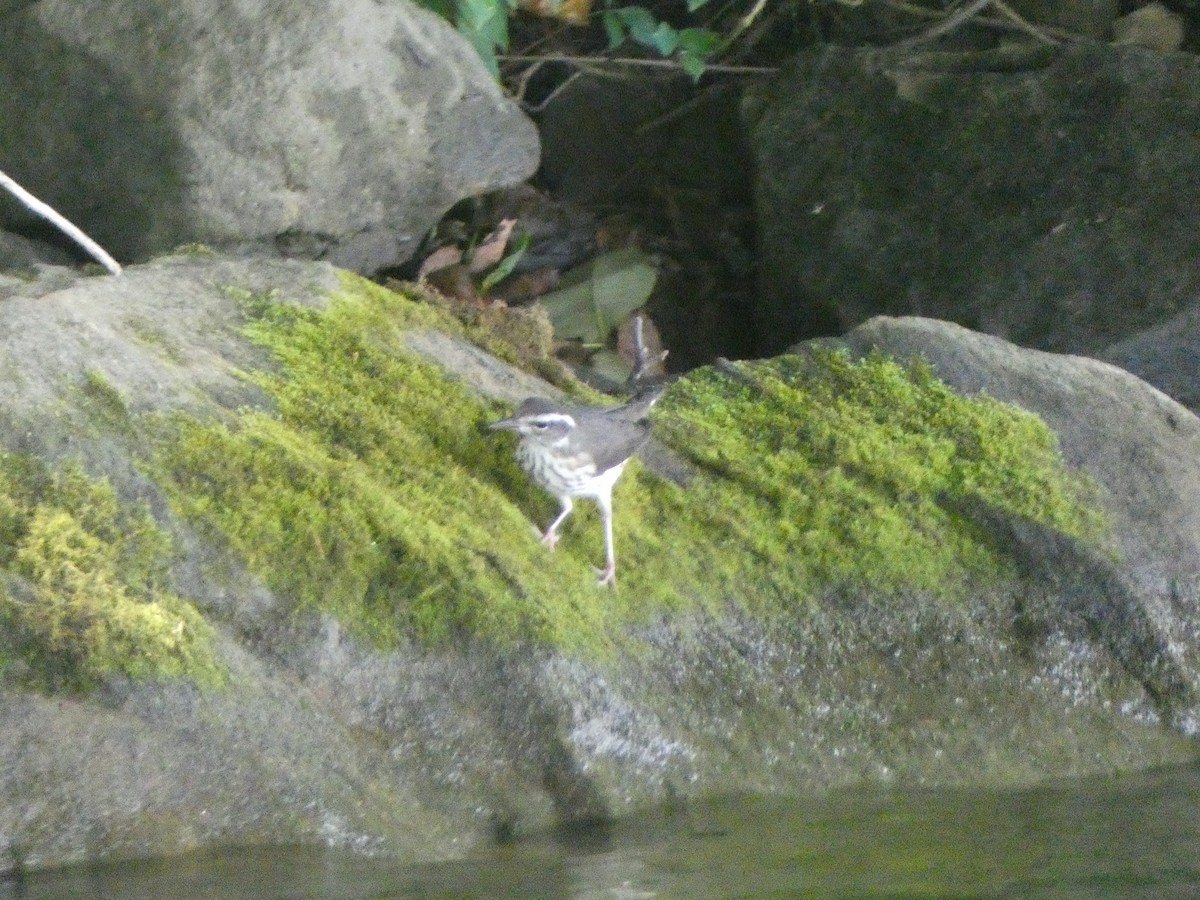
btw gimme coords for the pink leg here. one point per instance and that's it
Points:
(550, 538)
(609, 575)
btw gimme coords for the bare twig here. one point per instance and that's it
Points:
(549, 98)
(952, 22)
(601, 61)
(1004, 24)
(745, 22)
(63, 224)
(1028, 27)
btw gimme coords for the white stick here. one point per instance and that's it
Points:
(48, 212)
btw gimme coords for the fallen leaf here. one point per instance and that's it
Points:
(653, 354)
(595, 297)
(609, 366)
(455, 283)
(573, 12)
(527, 286)
(440, 258)
(491, 249)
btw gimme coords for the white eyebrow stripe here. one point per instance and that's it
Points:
(554, 419)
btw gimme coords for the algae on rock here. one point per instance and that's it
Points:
(85, 586)
(371, 492)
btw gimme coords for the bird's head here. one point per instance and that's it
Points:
(539, 420)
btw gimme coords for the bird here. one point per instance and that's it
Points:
(580, 451)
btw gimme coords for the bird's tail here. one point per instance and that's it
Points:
(640, 404)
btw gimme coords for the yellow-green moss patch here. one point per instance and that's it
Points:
(84, 593)
(819, 470)
(372, 491)
(102, 401)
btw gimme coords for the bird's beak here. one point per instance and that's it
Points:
(503, 425)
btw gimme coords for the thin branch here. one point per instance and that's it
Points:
(601, 61)
(535, 108)
(66, 226)
(951, 23)
(1028, 27)
(745, 22)
(984, 21)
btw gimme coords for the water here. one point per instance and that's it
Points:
(1133, 836)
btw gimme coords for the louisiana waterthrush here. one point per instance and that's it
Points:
(580, 451)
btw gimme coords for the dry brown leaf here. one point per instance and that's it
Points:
(441, 258)
(527, 286)
(455, 282)
(491, 249)
(573, 12)
(652, 346)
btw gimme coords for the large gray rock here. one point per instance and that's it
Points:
(321, 130)
(1141, 445)
(1142, 448)
(1040, 194)
(1166, 354)
(421, 751)
(20, 254)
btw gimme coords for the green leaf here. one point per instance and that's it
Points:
(444, 8)
(486, 18)
(693, 66)
(485, 24)
(664, 39)
(505, 266)
(610, 366)
(696, 45)
(637, 19)
(701, 42)
(595, 297)
(615, 29)
(647, 30)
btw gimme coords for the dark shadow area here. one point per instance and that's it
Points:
(84, 142)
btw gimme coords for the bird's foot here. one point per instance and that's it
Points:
(550, 539)
(607, 577)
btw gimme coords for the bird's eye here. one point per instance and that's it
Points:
(541, 426)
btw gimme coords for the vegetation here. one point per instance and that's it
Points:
(85, 593)
(698, 36)
(831, 471)
(373, 493)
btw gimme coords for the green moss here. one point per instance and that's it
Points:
(85, 592)
(821, 470)
(373, 493)
(103, 401)
(150, 335)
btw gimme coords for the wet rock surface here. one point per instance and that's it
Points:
(1082, 663)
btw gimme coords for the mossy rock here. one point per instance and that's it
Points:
(85, 594)
(373, 492)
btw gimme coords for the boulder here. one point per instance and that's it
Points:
(360, 641)
(1165, 355)
(324, 131)
(1143, 450)
(22, 255)
(1041, 194)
